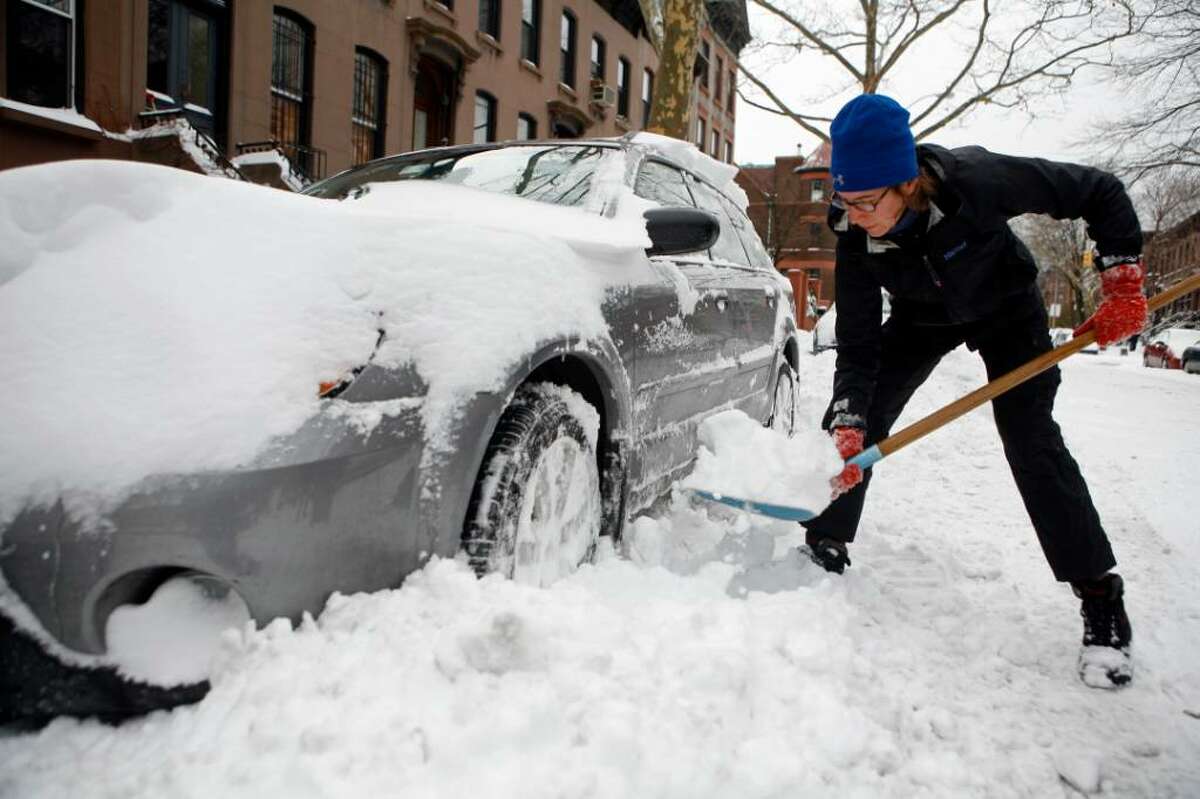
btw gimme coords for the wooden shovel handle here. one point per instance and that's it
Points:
(1017, 376)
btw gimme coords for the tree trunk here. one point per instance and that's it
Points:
(673, 85)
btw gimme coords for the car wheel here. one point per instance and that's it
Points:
(536, 509)
(783, 404)
(1192, 366)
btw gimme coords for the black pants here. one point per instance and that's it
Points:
(1047, 477)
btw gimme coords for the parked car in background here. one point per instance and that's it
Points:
(1191, 359)
(824, 332)
(495, 419)
(1165, 349)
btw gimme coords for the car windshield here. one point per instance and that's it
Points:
(558, 174)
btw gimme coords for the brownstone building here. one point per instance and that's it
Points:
(789, 202)
(1171, 256)
(310, 87)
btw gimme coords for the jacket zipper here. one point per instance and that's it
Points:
(937, 281)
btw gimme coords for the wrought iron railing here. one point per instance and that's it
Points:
(178, 119)
(307, 162)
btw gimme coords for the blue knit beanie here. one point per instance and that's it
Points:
(872, 145)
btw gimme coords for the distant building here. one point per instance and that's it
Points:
(1171, 256)
(292, 91)
(789, 204)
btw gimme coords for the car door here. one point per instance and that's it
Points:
(753, 295)
(679, 331)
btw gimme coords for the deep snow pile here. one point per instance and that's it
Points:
(221, 306)
(714, 662)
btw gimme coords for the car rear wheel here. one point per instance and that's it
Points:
(1192, 366)
(536, 510)
(783, 404)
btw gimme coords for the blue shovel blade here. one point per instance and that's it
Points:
(785, 512)
(865, 459)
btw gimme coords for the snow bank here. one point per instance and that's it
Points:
(740, 458)
(153, 320)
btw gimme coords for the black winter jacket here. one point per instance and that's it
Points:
(964, 266)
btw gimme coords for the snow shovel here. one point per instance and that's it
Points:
(933, 421)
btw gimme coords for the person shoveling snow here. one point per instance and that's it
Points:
(929, 224)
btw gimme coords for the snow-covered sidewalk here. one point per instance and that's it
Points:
(712, 662)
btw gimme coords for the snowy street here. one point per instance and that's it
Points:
(711, 662)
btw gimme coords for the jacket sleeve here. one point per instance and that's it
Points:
(859, 311)
(1064, 191)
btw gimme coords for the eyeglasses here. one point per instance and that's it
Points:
(866, 206)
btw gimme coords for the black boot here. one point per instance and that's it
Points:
(1104, 658)
(827, 553)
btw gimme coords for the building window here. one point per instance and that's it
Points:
(702, 64)
(814, 235)
(728, 151)
(370, 93)
(291, 84)
(489, 18)
(598, 56)
(185, 60)
(817, 192)
(485, 118)
(732, 92)
(40, 45)
(526, 127)
(531, 30)
(701, 130)
(719, 89)
(715, 150)
(623, 87)
(566, 45)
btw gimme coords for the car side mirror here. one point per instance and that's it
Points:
(674, 231)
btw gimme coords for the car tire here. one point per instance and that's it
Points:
(535, 513)
(783, 401)
(1192, 366)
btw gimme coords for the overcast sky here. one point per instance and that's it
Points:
(1060, 120)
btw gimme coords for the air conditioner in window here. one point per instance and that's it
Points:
(603, 94)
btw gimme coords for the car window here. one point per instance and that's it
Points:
(728, 246)
(664, 184)
(741, 223)
(556, 174)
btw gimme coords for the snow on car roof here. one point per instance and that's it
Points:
(154, 320)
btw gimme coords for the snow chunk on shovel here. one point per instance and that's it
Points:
(745, 465)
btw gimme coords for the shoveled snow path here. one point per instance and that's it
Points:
(712, 662)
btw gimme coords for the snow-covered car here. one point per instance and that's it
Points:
(824, 332)
(221, 393)
(1060, 335)
(1166, 348)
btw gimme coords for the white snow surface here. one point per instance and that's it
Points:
(222, 305)
(66, 116)
(173, 637)
(740, 458)
(707, 659)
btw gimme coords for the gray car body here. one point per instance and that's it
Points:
(330, 510)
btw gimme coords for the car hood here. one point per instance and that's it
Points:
(153, 320)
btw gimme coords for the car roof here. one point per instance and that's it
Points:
(621, 142)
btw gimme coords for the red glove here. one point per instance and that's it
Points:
(1123, 310)
(849, 442)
